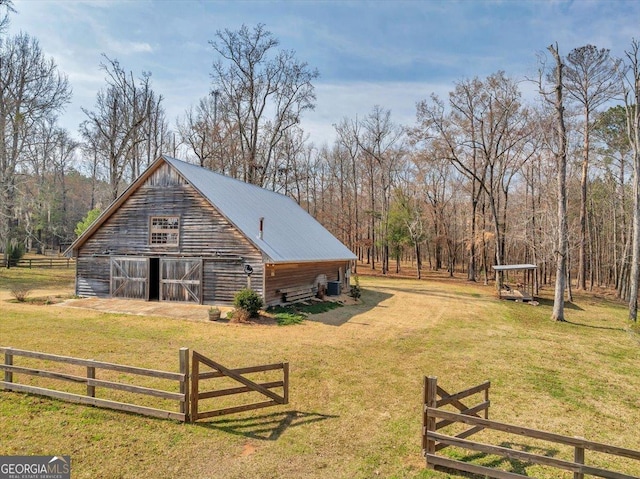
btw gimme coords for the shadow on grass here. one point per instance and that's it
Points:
(567, 305)
(440, 290)
(575, 307)
(513, 465)
(268, 427)
(337, 317)
(592, 326)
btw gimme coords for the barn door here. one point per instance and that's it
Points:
(129, 278)
(181, 279)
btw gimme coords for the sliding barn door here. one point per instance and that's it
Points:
(129, 278)
(181, 279)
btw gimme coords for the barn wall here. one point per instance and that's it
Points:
(223, 278)
(204, 233)
(278, 276)
(92, 276)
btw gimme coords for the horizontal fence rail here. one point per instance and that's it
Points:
(30, 263)
(238, 375)
(431, 392)
(434, 441)
(189, 382)
(182, 378)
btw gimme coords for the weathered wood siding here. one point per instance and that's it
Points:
(224, 278)
(279, 276)
(92, 276)
(204, 233)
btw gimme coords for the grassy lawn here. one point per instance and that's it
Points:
(356, 379)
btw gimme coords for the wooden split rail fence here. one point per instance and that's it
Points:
(50, 262)
(186, 381)
(238, 375)
(432, 441)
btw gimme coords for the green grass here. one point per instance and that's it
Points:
(356, 375)
(288, 319)
(297, 313)
(36, 278)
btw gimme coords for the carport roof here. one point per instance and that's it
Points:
(510, 267)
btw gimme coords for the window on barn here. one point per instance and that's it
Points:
(165, 230)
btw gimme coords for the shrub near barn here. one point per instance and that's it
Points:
(247, 303)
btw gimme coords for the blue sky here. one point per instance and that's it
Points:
(389, 53)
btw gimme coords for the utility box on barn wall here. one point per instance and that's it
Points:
(334, 288)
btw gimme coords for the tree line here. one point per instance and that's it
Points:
(483, 177)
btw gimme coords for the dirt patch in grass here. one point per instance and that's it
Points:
(193, 312)
(281, 315)
(44, 300)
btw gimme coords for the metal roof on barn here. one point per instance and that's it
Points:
(290, 234)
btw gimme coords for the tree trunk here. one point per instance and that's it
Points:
(561, 161)
(582, 253)
(471, 275)
(632, 106)
(635, 249)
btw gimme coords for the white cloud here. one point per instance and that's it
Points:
(118, 47)
(412, 48)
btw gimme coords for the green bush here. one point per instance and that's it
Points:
(355, 292)
(16, 252)
(249, 301)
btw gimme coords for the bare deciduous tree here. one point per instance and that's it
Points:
(43, 192)
(266, 90)
(610, 133)
(561, 161)
(7, 6)
(631, 86)
(348, 132)
(31, 89)
(591, 78)
(197, 129)
(122, 111)
(381, 143)
(485, 138)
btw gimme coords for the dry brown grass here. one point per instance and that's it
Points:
(356, 376)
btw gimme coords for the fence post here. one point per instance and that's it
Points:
(195, 377)
(8, 361)
(424, 416)
(285, 370)
(429, 422)
(91, 374)
(578, 458)
(486, 398)
(184, 384)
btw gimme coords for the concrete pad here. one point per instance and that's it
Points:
(194, 312)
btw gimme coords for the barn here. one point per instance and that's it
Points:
(184, 233)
